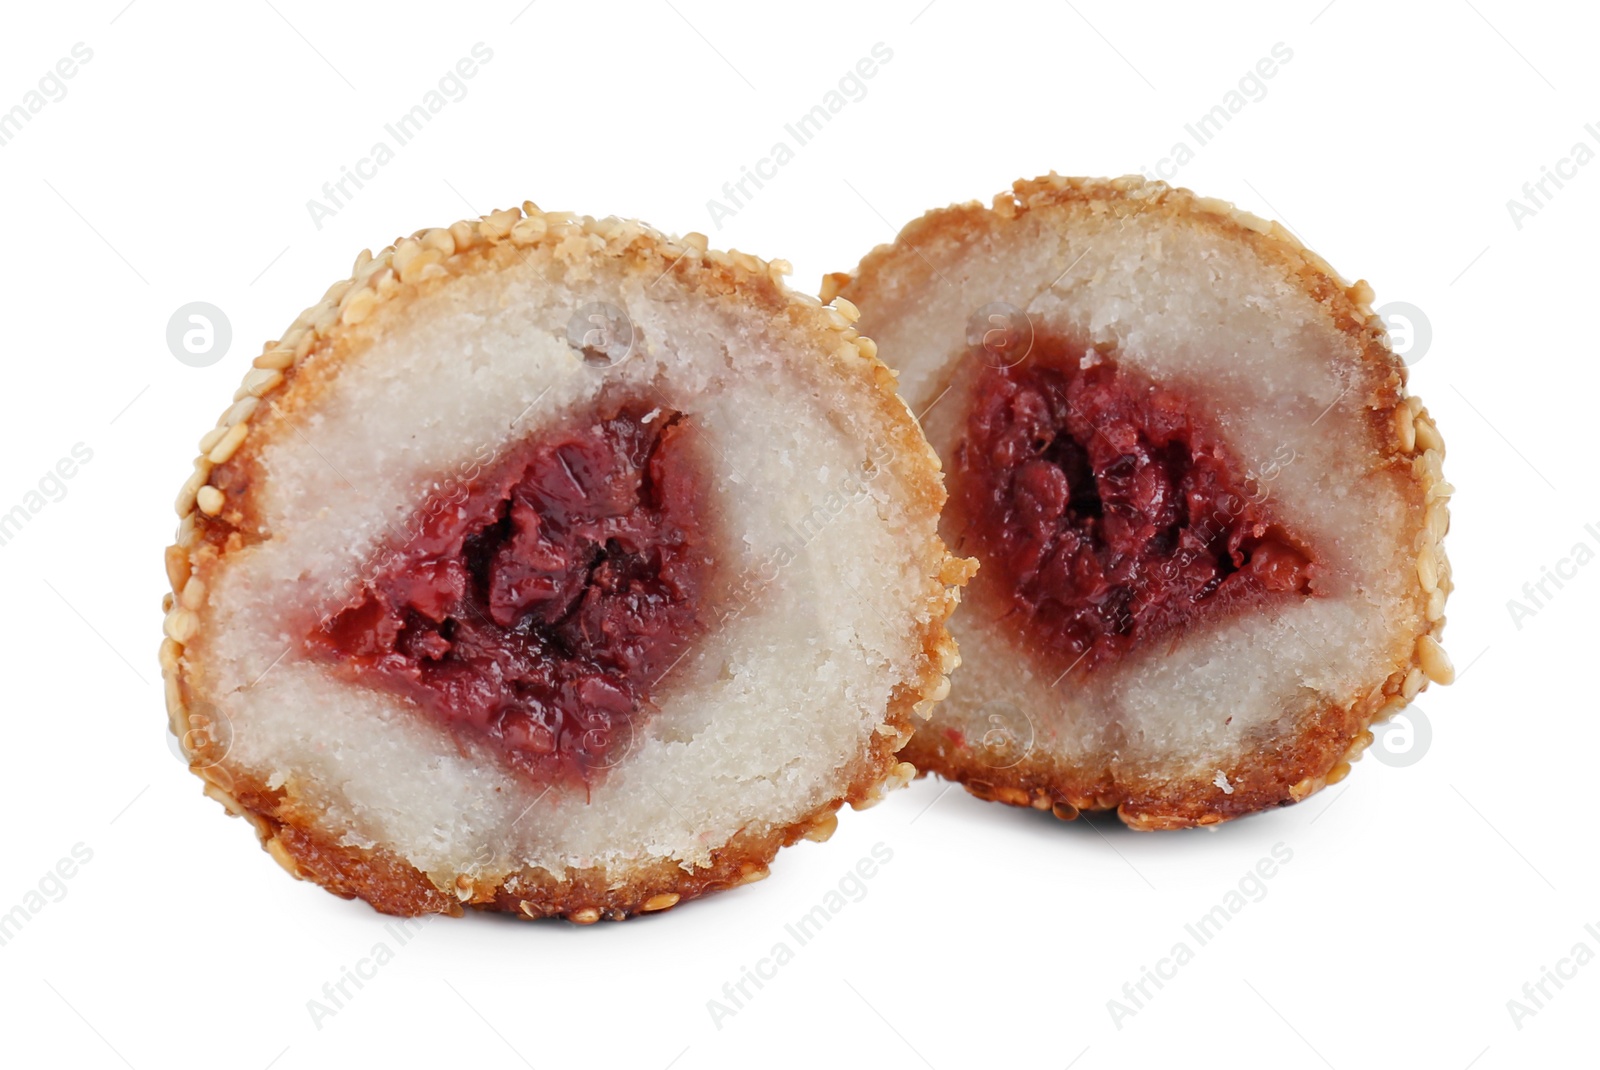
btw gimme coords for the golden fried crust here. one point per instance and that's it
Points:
(1402, 437)
(218, 518)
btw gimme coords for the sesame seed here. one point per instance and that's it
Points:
(177, 563)
(240, 410)
(822, 828)
(177, 717)
(211, 438)
(280, 854)
(1438, 520)
(334, 293)
(1427, 569)
(259, 381)
(416, 269)
(530, 230)
(277, 358)
(190, 490)
(1434, 661)
(359, 307)
(230, 442)
(1427, 435)
(439, 238)
(1405, 428)
(234, 807)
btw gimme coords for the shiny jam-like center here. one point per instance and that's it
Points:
(1106, 511)
(538, 602)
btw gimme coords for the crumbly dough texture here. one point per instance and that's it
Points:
(1227, 718)
(303, 782)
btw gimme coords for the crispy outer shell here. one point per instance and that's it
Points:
(912, 273)
(217, 518)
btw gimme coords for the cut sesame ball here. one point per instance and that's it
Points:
(559, 568)
(1182, 451)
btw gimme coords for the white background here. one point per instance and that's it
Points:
(1419, 898)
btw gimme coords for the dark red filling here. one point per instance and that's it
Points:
(1105, 511)
(540, 602)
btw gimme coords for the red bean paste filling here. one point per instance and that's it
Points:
(1106, 512)
(538, 601)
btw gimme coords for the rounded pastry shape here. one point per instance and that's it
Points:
(1207, 515)
(554, 566)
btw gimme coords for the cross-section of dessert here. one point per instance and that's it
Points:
(1208, 516)
(554, 566)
